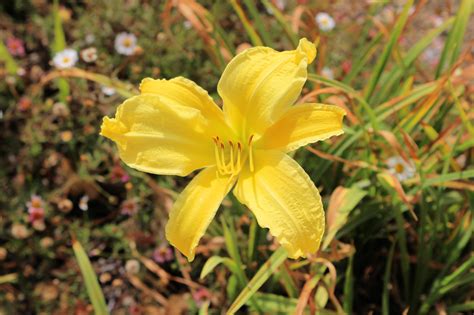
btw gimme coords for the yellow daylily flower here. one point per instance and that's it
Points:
(174, 128)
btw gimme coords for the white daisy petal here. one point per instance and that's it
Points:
(325, 21)
(400, 168)
(65, 59)
(125, 43)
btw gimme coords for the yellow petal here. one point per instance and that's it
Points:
(157, 138)
(303, 124)
(260, 84)
(285, 200)
(195, 208)
(184, 92)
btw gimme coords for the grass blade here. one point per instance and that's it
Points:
(262, 275)
(92, 285)
(59, 44)
(453, 45)
(382, 61)
(254, 38)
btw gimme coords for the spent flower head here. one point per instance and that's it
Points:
(125, 43)
(325, 22)
(163, 254)
(129, 207)
(89, 54)
(66, 58)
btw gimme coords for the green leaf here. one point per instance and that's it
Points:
(10, 63)
(262, 275)
(214, 261)
(92, 285)
(275, 304)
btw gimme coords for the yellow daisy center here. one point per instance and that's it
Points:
(399, 168)
(127, 42)
(66, 59)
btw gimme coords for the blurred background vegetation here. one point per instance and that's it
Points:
(81, 233)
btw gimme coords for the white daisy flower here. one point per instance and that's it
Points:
(107, 90)
(65, 59)
(89, 54)
(325, 21)
(125, 43)
(400, 168)
(328, 73)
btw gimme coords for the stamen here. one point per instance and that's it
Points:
(216, 153)
(239, 153)
(251, 154)
(224, 166)
(231, 162)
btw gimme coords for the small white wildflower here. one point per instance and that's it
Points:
(65, 59)
(84, 203)
(125, 43)
(21, 72)
(325, 21)
(132, 266)
(90, 38)
(107, 90)
(437, 21)
(89, 54)
(400, 168)
(328, 73)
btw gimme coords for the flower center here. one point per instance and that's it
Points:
(231, 156)
(399, 168)
(66, 60)
(127, 42)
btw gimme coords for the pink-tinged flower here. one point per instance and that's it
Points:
(35, 214)
(24, 104)
(129, 207)
(119, 174)
(16, 47)
(201, 295)
(35, 209)
(346, 66)
(163, 254)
